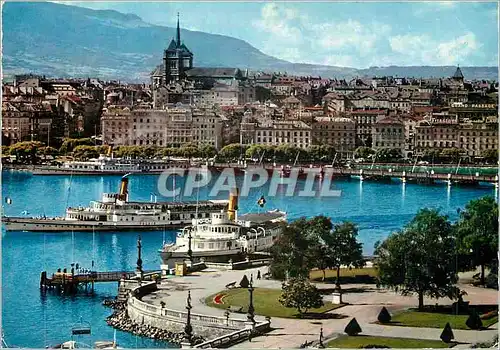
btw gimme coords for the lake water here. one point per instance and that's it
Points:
(31, 319)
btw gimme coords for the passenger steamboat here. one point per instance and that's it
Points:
(114, 212)
(225, 235)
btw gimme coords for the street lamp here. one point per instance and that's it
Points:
(251, 309)
(188, 329)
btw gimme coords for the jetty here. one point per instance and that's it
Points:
(70, 283)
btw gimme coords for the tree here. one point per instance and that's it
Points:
(344, 247)
(206, 151)
(69, 144)
(300, 294)
(477, 233)
(420, 258)
(363, 152)
(321, 243)
(85, 152)
(490, 156)
(291, 256)
(232, 151)
(451, 154)
(26, 151)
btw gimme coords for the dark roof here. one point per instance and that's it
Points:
(213, 72)
(185, 49)
(172, 46)
(458, 74)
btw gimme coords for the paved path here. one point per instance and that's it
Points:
(365, 302)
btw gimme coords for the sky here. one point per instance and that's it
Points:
(349, 34)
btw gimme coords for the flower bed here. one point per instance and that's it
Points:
(218, 299)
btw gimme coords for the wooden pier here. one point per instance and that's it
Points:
(70, 283)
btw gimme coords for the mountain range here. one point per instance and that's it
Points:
(60, 40)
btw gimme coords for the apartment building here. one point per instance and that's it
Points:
(291, 132)
(388, 133)
(338, 132)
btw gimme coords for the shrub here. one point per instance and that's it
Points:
(447, 334)
(352, 327)
(244, 283)
(299, 293)
(384, 316)
(474, 321)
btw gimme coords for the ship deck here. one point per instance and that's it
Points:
(259, 218)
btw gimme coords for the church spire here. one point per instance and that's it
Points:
(178, 32)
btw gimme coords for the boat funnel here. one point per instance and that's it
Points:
(233, 204)
(110, 151)
(123, 195)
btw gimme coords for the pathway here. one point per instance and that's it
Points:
(365, 302)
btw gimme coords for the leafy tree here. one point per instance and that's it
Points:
(85, 152)
(490, 156)
(420, 259)
(352, 328)
(207, 151)
(5, 150)
(321, 152)
(290, 254)
(26, 151)
(477, 233)
(451, 154)
(256, 151)
(431, 155)
(344, 247)
(232, 151)
(48, 151)
(321, 243)
(300, 294)
(363, 152)
(69, 144)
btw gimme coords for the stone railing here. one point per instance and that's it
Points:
(173, 320)
(234, 337)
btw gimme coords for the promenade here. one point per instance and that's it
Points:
(364, 300)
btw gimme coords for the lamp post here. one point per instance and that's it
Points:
(251, 309)
(190, 251)
(188, 329)
(139, 260)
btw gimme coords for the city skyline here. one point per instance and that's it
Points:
(341, 34)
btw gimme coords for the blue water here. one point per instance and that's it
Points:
(33, 320)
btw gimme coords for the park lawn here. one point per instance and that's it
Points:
(265, 301)
(363, 275)
(360, 341)
(414, 318)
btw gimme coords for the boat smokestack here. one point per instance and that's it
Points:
(123, 195)
(233, 204)
(110, 150)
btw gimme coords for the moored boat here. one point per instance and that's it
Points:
(114, 212)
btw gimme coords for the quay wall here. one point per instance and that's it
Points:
(207, 326)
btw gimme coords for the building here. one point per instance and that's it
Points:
(388, 133)
(475, 138)
(173, 126)
(365, 119)
(274, 133)
(436, 134)
(338, 132)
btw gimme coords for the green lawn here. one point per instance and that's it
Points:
(265, 303)
(363, 275)
(414, 318)
(360, 341)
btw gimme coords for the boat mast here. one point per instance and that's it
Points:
(93, 246)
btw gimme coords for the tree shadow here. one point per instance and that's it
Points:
(357, 279)
(320, 316)
(324, 291)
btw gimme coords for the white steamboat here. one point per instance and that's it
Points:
(114, 212)
(225, 235)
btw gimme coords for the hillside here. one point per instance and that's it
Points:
(60, 40)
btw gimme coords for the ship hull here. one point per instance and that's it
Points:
(48, 225)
